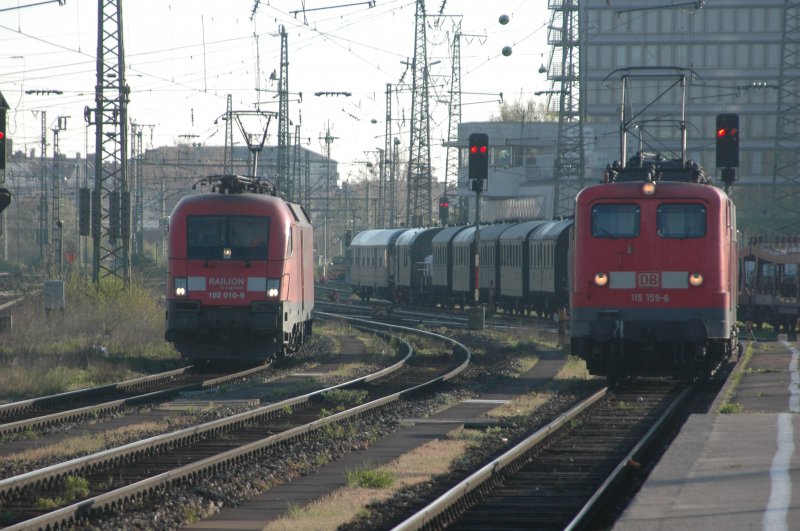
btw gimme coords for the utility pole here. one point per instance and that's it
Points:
(393, 184)
(227, 157)
(564, 72)
(57, 223)
(785, 178)
(328, 141)
(44, 233)
(419, 208)
(137, 154)
(454, 114)
(296, 186)
(111, 210)
(386, 176)
(282, 181)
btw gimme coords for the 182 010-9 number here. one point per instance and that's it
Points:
(226, 295)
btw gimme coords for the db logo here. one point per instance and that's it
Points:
(649, 280)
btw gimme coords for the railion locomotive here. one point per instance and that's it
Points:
(240, 283)
(655, 272)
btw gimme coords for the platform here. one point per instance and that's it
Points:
(732, 471)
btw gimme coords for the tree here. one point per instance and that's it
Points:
(530, 111)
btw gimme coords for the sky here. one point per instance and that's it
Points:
(183, 57)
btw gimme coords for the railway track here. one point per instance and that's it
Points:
(48, 411)
(557, 477)
(117, 476)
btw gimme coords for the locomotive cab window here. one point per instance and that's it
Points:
(208, 236)
(615, 221)
(681, 220)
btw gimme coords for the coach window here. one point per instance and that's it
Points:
(615, 221)
(679, 220)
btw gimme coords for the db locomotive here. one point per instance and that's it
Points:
(240, 282)
(655, 276)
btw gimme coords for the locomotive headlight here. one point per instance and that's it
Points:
(180, 286)
(226, 253)
(273, 287)
(696, 279)
(601, 279)
(649, 188)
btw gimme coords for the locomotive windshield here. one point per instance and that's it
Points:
(208, 237)
(681, 220)
(615, 221)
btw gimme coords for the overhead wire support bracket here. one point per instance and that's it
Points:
(294, 13)
(60, 2)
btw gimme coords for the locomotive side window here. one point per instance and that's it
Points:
(207, 236)
(681, 220)
(615, 221)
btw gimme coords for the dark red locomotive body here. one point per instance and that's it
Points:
(654, 284)
(240, 283)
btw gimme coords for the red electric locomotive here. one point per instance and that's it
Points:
(240, 283)
(654, 284)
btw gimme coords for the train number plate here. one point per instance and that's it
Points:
(650, 297)
(228, 295)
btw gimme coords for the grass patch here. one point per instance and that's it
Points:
(75, 488)
(730, 407)
(369, 478)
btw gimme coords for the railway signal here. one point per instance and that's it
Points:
(727, 140)
(478, 160)
(444, 209)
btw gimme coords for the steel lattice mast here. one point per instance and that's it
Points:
(282, 181)
(227, 157)
(564, 72)
(418, 204)
(785, 178)
(454, 108)
(137, 157)
(44, 232)
(389, 205)
(110, 198)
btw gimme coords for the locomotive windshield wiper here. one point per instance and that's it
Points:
(605, 231)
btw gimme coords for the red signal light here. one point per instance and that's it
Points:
(2, 135)
(483, 149)
(473, 149)
(721, 132)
